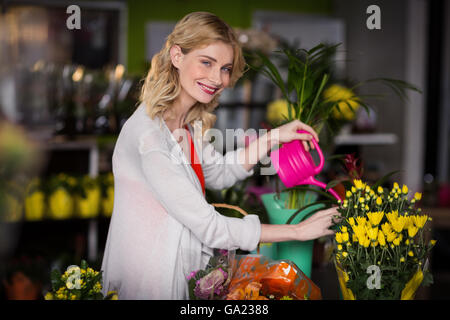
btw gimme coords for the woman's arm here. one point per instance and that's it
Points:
(259, 148)
(312, 228)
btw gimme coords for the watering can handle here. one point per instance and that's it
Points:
(319, 168)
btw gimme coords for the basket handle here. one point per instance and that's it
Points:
(229, 206)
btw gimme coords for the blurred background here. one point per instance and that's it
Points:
(65, 94)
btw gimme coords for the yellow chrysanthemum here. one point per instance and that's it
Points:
(380, 189)
(277, 111)
(348, 194)
(375, 217)
(392, 216)
(338, 237)
(347, 101)
(351, 221)
(398, 224)
(405, 189)
(381, 239)
(417, 196)
(359, 185)
(379, 201)
(345, 237)
(390, 236)
(419, 221)
(412, 230)
(372, 233)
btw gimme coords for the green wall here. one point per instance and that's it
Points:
(237, 13)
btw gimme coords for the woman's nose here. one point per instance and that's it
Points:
(215, 77)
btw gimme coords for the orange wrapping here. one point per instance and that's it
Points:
(279, 278)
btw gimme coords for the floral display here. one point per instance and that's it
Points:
(381, 230)
(311, 92)
(78, 283)
(250, 277)
(63, 196)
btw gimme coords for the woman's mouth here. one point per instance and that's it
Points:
(208, 89)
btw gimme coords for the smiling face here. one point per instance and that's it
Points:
(203, 72)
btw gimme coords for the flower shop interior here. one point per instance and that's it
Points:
(67, 86)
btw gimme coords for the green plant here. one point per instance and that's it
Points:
(308, 77)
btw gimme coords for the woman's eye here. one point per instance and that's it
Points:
(227, 69)
(206, 63)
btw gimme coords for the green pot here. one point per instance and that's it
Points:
(299, 252)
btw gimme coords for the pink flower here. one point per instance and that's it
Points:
(211, 284)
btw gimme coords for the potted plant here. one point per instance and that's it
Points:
(380, 247)
(309, 94)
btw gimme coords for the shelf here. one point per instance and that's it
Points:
(366, 139)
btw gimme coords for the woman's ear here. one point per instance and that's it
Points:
(176, 55)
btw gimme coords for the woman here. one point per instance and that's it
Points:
(162, 228)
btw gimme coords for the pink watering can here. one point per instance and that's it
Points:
(295, 166)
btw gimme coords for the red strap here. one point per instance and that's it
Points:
(195, 163)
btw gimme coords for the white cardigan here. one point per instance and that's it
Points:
(162, 228)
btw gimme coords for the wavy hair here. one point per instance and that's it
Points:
(162, 86)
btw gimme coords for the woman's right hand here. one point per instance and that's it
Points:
(317, 225)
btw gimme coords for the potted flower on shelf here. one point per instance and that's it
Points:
(312, 95)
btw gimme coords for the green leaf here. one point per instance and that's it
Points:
(292, 217)
(55, 278)
(383, 179)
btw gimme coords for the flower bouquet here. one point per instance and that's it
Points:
(381, 251)
(211, 283)
(78, 283)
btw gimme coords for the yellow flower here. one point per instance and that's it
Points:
(380, 190)
(381, 239)
(339, 247)
(417, 196)
(354, 238)
(48, 296)
(353, 189)
(346, 101)
(348, 194)
(402, 259)
(379, 201)
(338, 237)
(397, 240)
(386, 227)
(419, 221)
(361, 200)
(361, 220)
(351, 221)
(345, 237)
(344, 229)
(396, 186)
(405, 189)
(432, 242)
(392, 216)
(372, 233)
(375, 217)
(398, 224)
(344, 254)
(359, 184)
(410, 253)
(412, 230)
(390, 236)
(278, 110)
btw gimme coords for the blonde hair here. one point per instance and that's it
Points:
(162, 87)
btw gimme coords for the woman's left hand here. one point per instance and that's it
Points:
(288, 132)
